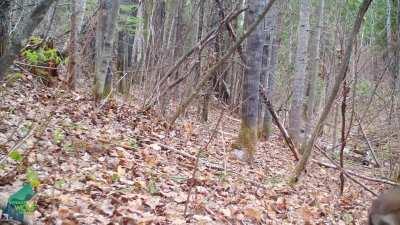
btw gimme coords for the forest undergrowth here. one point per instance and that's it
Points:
(118, 165)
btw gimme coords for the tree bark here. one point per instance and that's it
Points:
(272, 68)
(74, 68)
(105, 32)
(296, 119)
(4, 21)
(314, 51)
(251, 81)
(307, 149)
(22, 33)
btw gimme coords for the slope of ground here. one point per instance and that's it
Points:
(116, 165)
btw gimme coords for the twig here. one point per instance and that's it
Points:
(109, 94)
(35, 66)
(371, 149)
(19, 143)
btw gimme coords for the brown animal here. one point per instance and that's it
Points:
(385, 210)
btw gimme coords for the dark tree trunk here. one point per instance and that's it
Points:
(4, 21)
(251, 82)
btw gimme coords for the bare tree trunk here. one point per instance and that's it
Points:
(199, 36)
(4, 21)
(22, 33)
(398, 50)
(314, 51)
(269, 26)
(74, 69)
(339, 79)
(272, 68)
(391, 55)
(251, 82)
(296, 116)
(106, 24)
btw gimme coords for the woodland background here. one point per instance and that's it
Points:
(127, 111)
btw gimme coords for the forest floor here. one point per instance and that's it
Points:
(116, 165)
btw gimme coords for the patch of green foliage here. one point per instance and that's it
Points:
(127, 22)
(58, 136)
(32, 178)
(40, 53)
(133, 143)
(115, 177)
(42, 56)
(15, 155)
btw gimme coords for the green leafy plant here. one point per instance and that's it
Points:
(115, 177)
(133, 143)
(15, 155)
(32, 178)
(127, 22)
(58, 136)
(42, 56)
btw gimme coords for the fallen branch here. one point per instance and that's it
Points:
(284, 132)
(377, 180)
(345, 172)
(371, 149)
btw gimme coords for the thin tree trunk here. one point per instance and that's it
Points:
(296, 116)
(199, 36)
(271, 71)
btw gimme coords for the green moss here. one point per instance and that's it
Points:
(247, 140)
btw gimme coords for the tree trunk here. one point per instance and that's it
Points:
(74, 69)
(272, 68)
(4, 21)
(296, 111)
(251, 81)
(22, 33)
(314, 51)
(106, 24)
(217, 53)
(198, 66)
(269, 26)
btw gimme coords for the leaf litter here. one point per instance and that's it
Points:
(118, 165)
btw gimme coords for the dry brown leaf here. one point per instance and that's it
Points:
(253, 213)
